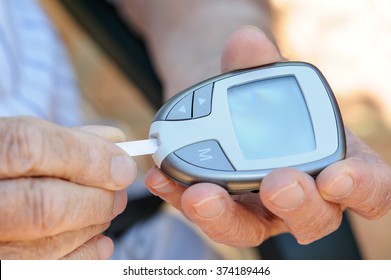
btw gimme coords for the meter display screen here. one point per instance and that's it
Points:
(271, 119)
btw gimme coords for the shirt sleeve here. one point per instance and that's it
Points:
(37, 78)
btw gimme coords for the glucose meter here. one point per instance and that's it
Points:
(235, 128)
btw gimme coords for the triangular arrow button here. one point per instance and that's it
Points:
(182, 109)
(201, 101)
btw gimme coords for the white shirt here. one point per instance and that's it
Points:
(35, 75)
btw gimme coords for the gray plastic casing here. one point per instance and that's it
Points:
(245, 175)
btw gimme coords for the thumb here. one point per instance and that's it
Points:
(248, 47)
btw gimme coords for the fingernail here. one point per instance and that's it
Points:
(120, 200)
(341, 186)
(210, 207)
(289, 196)
(164, 187)
(105, 247)
(123, 170)
(252, 27)
(159, 182)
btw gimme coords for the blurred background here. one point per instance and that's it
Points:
(349, 41)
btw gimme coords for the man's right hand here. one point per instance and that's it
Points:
(59, 189)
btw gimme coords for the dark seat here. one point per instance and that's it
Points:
(100, 20)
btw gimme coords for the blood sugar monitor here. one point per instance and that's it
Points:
(235, 128)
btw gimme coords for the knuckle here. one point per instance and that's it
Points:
(375, 210)
(84, 252)
(22, 145)
(237, 235)
(44, 212)
(372, 200)
(382, 203)
(317, 227)
(371, 195)
(81, 244)
(18, 251)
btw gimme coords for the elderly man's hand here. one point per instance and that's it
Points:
(59, 189)
(289, 200)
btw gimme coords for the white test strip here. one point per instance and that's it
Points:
(140, 147)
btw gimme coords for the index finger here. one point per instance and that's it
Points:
(34, 208)
(33, 147)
